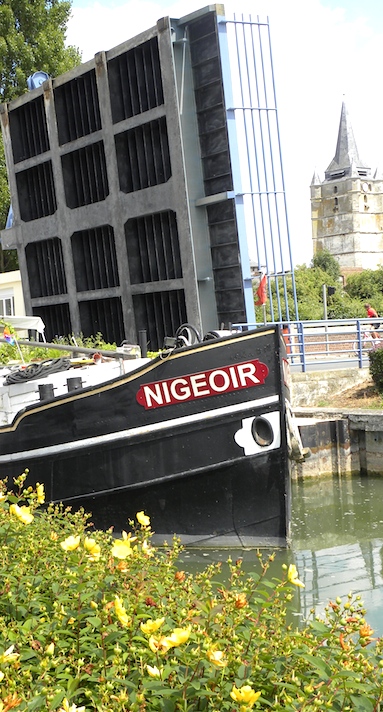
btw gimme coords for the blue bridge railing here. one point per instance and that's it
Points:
(340, 343)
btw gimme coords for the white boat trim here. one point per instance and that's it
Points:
(144, 430)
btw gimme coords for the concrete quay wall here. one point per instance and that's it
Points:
(342, 442)
(313, 387)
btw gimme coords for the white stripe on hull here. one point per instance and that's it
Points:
(143, 431)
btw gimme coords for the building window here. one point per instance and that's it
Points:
(7, 303)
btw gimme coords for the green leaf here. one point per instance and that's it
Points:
(362, 704)
(73, 683)
(94, 621)
(28, 655)
(57, 699)
(318, 664)
(37, 703)
(319, 627)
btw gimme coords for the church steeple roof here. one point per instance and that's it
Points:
(346, 161)
(315, 179)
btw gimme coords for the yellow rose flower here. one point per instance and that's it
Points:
(40, 493)
(216, 657)
(179, 636)
(8, 656)
(292, 576)
(50, 649)
(159, 645)
(245, 694)
(23, 513)
(70, 543)
(70, 708)
(121, 612)
(151, 626)
(1, 676)
(93, 549)
(153, 671)
(143, 519)
(3, 497)
(146, 548)
(121, 548)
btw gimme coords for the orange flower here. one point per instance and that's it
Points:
(365, 631)
(122, 566)
(10, 701)
(343, 645)
(240, 600)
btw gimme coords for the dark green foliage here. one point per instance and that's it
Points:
(32, 38)
(345, 303)
(367, 286)
(376, 368)
(309, 283)
(326, 262)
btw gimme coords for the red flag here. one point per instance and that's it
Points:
(262, 292)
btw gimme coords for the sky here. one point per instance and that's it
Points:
(324, 52)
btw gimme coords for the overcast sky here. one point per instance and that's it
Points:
(323, 51)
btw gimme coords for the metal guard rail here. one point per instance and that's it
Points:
(335, 343)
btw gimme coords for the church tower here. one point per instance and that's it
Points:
(347, 207)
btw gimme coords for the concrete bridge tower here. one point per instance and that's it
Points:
(347, 207)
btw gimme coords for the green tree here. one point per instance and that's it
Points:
(327, 262)
(32, 38)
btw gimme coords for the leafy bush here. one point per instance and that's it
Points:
(309, 283)
(17, 352)
(93, 622)
(367, 286)
(10, 352)
(376, 367)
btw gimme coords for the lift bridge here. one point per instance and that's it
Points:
(147, 181)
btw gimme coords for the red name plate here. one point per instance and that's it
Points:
(202, 385)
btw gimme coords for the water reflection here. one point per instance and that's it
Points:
(337, 544)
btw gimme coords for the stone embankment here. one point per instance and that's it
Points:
(342, 441)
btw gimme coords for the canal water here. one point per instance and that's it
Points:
(337, 545)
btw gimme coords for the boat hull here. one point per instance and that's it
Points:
(197, 440)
